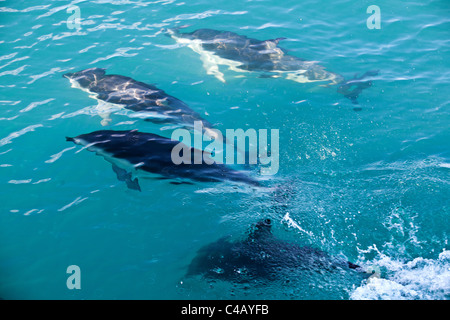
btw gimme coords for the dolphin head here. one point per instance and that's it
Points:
(261, 230)
(85, 78)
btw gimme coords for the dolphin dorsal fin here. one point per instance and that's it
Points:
(162, 102)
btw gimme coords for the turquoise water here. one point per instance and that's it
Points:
(372, 186)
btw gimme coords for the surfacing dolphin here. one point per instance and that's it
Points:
(261, 256)
(134, 154)
(115, 92)
(243, 54)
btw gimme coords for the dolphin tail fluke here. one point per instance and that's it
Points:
(125, 176)
(352, 88)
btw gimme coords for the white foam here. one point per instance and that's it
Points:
(419, 279)
(291, 223)
(58, 155)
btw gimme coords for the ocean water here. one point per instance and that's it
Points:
(371, 185)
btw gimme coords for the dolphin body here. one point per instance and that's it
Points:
(243, 54)
(261, 256)
(115, 92)
(134, 154)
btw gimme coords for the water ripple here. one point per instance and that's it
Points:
(203, 15)
(33, 105)
(19, 133)
(120, 52)
(73, 203)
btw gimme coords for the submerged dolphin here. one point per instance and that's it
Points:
(244, 54)
(147, 101)
(134, 153)
(261, 256)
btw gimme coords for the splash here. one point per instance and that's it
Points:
(419, 279)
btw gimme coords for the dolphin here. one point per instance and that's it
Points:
(115, 92)
(136, 154)
(261, 256)
(243, 54)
